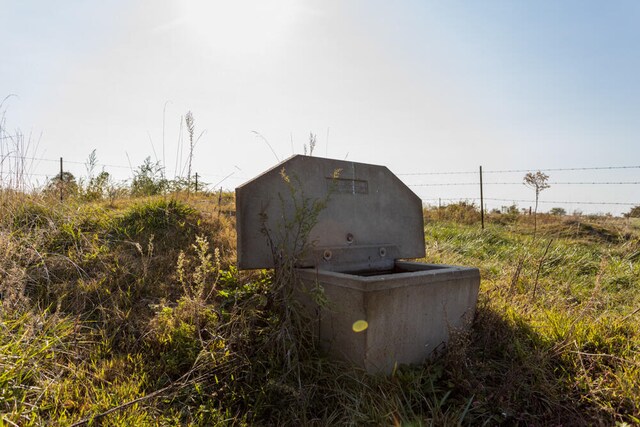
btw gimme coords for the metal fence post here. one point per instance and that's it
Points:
(61, 181)
(481, 200)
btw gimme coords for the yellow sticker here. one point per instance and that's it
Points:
(360, 325)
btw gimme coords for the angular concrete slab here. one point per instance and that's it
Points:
(371, 217)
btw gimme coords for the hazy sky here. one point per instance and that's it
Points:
(418, 86)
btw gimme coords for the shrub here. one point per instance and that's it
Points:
(97, 187)
(171, 221)
(30, 215)
(149, 179)
(558, 211)
(64, 184)
(634, 212)
(463, 212)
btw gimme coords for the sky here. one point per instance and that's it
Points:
(423, 87)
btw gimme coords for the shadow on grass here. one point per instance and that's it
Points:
(514, 375)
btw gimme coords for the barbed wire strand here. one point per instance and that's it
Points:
(232, 177)
(569, 202)
(399, 174)
(446, 184)
(73, 162)
(519, 170)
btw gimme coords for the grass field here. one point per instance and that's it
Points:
(131, 312)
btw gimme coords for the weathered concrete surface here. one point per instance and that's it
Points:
(370, 221)
(409, 314)
(371, 217)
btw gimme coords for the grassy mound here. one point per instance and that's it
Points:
(132, 313)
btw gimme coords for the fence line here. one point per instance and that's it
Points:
(446, 184)
(497, 171)
(399, 174)
(435, 184)
(438, 173)
(75, 162)
(515, 200)
(520, 170)
(568, 202)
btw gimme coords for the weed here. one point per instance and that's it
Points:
(149, 179)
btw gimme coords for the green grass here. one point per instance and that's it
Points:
(132, 312)
(575, 341)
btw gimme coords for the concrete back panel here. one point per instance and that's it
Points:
(371, 217)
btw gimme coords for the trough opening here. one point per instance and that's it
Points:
(397, 269)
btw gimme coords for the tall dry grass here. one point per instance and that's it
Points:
(132, 313)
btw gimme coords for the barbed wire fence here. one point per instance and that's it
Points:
(477, 187)
(10, 163)
(473, 180)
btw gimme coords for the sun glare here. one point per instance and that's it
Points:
(240, 26)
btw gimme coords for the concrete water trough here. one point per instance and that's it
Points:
(380, 310)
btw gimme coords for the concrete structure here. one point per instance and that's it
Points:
(370, 221)
(369, 208)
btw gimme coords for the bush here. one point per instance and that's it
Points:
(634, 212)
(170, 221)
(66, 185)
(149, 179)
(463, 212)
(30, 215)
(98, 187)
(558, 211)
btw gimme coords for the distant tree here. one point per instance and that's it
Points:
(65, 184)
(538, 182)
(512, 210)
(558, 211)
(634, 212)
